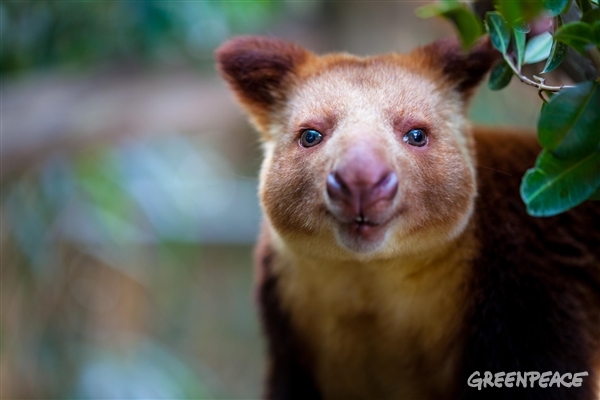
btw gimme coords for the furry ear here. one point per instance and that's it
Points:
(259, 70)
(462, 69)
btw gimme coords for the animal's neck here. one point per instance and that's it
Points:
(434, 264)
(411, 307)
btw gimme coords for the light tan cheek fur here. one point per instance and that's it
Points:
(360, 108)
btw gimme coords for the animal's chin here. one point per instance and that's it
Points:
(362, 237)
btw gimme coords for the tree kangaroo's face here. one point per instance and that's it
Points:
(363, 157)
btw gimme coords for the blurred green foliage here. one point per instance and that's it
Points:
(115, 281)
(46, 32)
(116, 292)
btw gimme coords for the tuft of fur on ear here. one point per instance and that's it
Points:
(463, 69)
(259, 70)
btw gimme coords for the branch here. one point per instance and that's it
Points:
(539, 85)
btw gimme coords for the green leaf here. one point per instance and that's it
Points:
(556, 7)
(569, 124)
(576, 34)
(596, 195)
(500, 76)
(468, 24)
(557, 56)
(584, 5)
(435, 9)
(519, 11)
(519, 37)
(522, 27)
(584, 137)
(538, 48)
(591, 16)
(596, 32)
(498, 30)
(555, 185)
(558, 52)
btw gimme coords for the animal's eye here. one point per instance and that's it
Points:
(310, 138)
(416, 137)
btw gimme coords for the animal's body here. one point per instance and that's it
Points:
(396, 257)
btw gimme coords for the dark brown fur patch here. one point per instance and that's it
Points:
(535, 294)
(464, 69)
(288, 376)
(256, 67)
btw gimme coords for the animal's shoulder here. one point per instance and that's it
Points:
(503, 157)
(535, 292)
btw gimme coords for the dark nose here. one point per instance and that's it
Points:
(359, 188)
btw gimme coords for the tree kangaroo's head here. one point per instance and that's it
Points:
(364, 157)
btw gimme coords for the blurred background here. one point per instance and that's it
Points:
(128, 200)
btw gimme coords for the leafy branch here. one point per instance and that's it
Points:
(567, 171)
(539, 85)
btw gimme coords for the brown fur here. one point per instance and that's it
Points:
(536, 282)
(456, 278)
